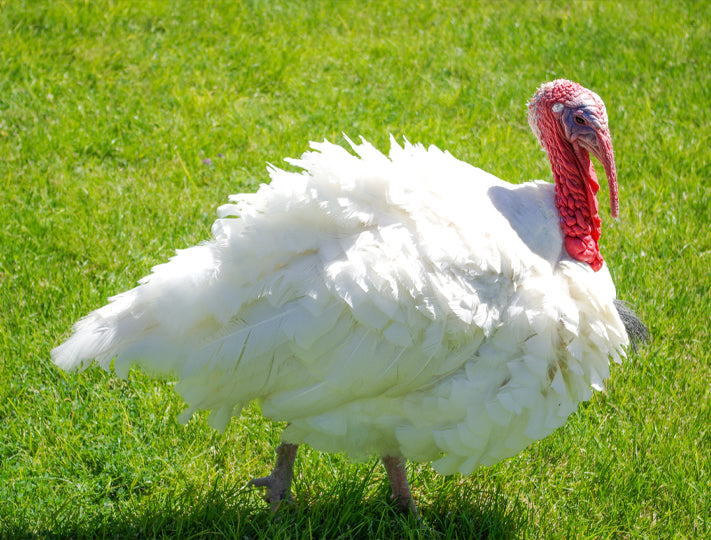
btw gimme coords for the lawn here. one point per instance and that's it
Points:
(124, 124)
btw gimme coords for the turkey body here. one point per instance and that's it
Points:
(405, 305)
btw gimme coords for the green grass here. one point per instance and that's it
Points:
(107, 111)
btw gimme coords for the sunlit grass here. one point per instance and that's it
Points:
(124, 124)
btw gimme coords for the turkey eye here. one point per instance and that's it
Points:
(580, 120)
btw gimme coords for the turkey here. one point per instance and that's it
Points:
(409, 306)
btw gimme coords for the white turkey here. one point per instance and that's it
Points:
(408, 306)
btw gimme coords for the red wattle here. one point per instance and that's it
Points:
(584, 249)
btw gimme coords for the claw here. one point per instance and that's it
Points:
(277, 491)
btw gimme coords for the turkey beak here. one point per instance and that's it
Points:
(602, 150)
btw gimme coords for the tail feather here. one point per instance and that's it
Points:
(637, 331)
(118, 328)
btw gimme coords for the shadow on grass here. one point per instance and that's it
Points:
(344, 511)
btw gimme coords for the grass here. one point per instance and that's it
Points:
(108, 111)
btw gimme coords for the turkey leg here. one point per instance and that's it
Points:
(395, 468)
(278, 483)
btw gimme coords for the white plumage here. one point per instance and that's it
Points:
(405, 305)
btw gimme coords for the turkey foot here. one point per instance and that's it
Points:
(395, 468)
(278, 483)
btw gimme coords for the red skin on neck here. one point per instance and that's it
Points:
(575, 188)
(576, 185)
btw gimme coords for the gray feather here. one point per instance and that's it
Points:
(637, 331)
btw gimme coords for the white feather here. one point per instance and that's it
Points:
(406, 305)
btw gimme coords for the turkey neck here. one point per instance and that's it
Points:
(576, 185)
